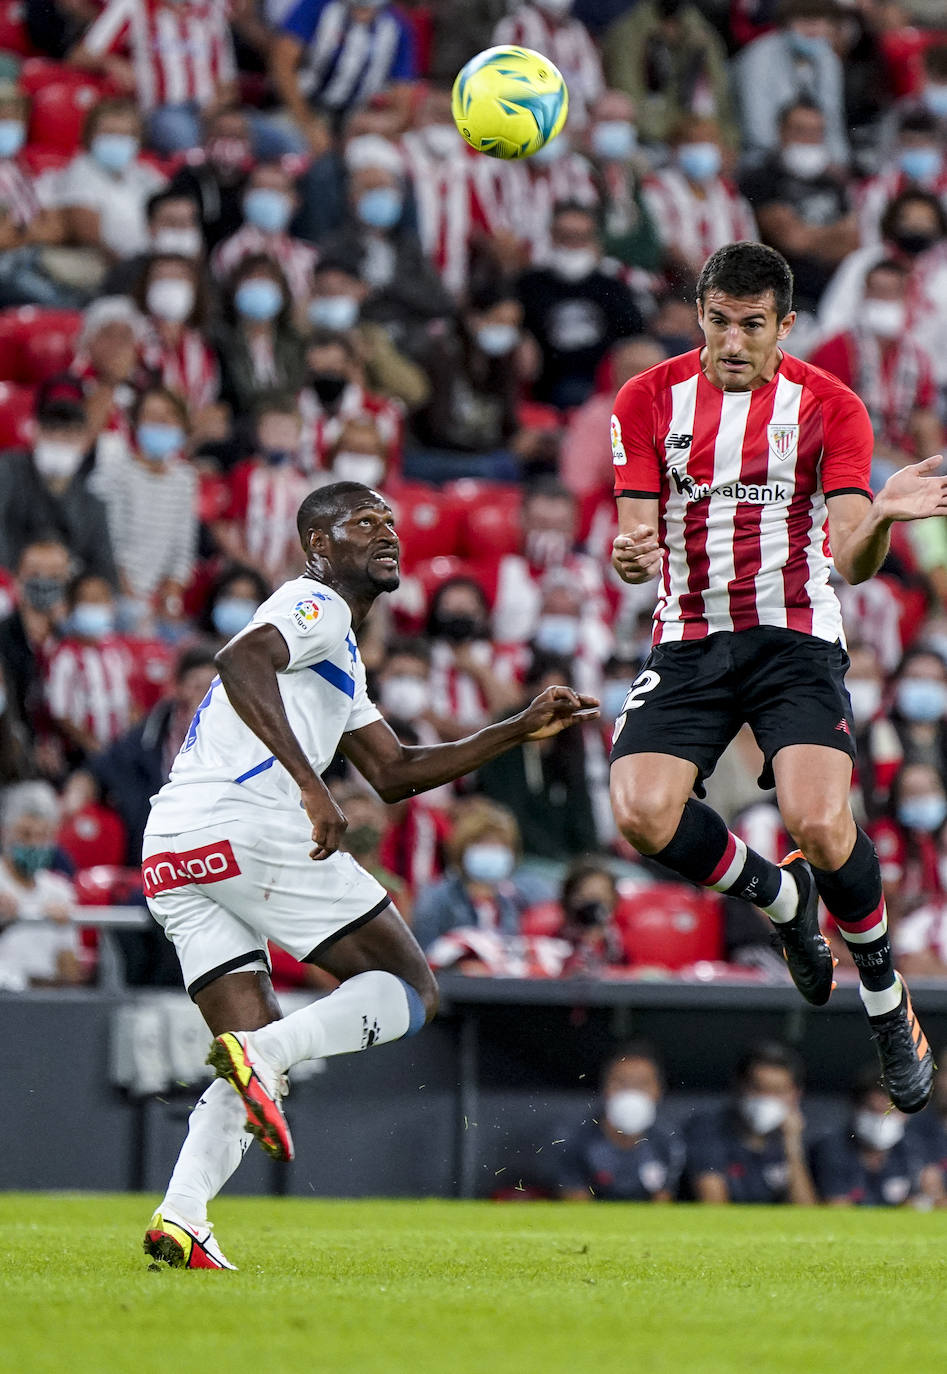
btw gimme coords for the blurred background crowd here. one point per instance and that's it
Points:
(244, 251)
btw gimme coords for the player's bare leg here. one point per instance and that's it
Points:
(812, 787)
(655, 812)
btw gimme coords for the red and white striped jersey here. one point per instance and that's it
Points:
(264, 502)
(696, 226)
(321, 430)
(569, 45)
(456, 695)
(18, 194)
(89, 685)
(182, 51)
(296, 257)
(189, 368)
(741, 478)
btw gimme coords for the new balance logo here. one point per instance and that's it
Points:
(767, 494)
(843, 726)
(682, 441)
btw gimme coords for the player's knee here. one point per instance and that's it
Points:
(823, 833)
(647, 816)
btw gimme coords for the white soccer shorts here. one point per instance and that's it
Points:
(221, 892)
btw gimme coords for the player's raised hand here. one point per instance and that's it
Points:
(636, 555)
(328, 822)
(915, 492)
(556, 709)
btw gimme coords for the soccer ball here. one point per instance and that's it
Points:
(508, 102)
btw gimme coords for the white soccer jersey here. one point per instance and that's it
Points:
(223, 770)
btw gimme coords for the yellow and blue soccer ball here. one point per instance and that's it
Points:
(508, 102)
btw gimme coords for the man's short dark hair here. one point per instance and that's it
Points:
(804, 102)
(197, 656)
(324, 505)
(918, 121)
(935, 60)
(164, 197)
(747, 271)
(771, 1055)
(886, 265)
(867, 1081)
(894, 207)
(635, 1049)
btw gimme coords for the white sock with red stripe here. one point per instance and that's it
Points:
(215, 1144)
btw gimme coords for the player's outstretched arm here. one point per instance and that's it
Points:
(397, 770)
(860, 531)
(248, 666)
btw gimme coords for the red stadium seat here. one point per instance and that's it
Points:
(16, 416)
(107, 885)
(432, 572)
(428, 525)
(670, 926)
(93, 836)
(59, 112)
(37, 343)
(13, 33)
(491, 525)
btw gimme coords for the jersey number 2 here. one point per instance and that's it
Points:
(643, 684)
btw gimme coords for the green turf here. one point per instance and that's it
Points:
(385, 1287)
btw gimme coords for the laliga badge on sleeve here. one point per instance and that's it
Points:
(619, 456)
(306, 613)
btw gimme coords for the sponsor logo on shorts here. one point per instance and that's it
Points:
(306, 613)
(209, 864)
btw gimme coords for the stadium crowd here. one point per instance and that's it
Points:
(243, 251)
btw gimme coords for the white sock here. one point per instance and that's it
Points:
(215, 1144)
(786, 904)
(877, 1003)
(369, 1009)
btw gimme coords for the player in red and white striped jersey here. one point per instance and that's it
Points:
(89, 673)
(733, 464)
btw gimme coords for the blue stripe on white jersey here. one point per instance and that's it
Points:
(345, 64)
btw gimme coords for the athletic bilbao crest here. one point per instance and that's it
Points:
(783, 440)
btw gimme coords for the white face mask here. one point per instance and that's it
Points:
(187, 242)
(57, 458)
(358, 467)
(555, 7)
(866, 698)
(805, 160)
(170, 299)
(887, 319)
(404, 696)
(763, 1113)
(573, 264)
(878, 1132)
(630, 1112)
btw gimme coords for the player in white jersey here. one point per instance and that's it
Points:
(242, 847)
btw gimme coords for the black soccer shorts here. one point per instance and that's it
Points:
(692, 696)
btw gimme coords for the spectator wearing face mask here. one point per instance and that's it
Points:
(483, 891)
(914, 234)
(558, 173)
(105, 189)
(925, 90)
(360, 455)
(215, 176)
(550, 550)
(182, 62)
(269, 203)
(231, 602)
(867, 1163)
(335, 393)
(47, 489)
(696, 208)
(543, 782)
(473, 680)
(29, 632)
(752, 1149)
(89, 673)
(672, 62)
(259, 349)
(335, 305)
(918, 162)
(908, 841)
(611, 143)
(257, 529)
(919, 708)
(547, 26)
(150, 491)
(29, 218)
(589, 898)
(405, 292)
(39, 944)
(574, 308)
(881, 362)
(802, 201)
(367, 818)
(107, 363)
(795, 61)
(619, 1153)
(173, 348)
(173, 227)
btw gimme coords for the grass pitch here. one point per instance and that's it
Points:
(469, 1288)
